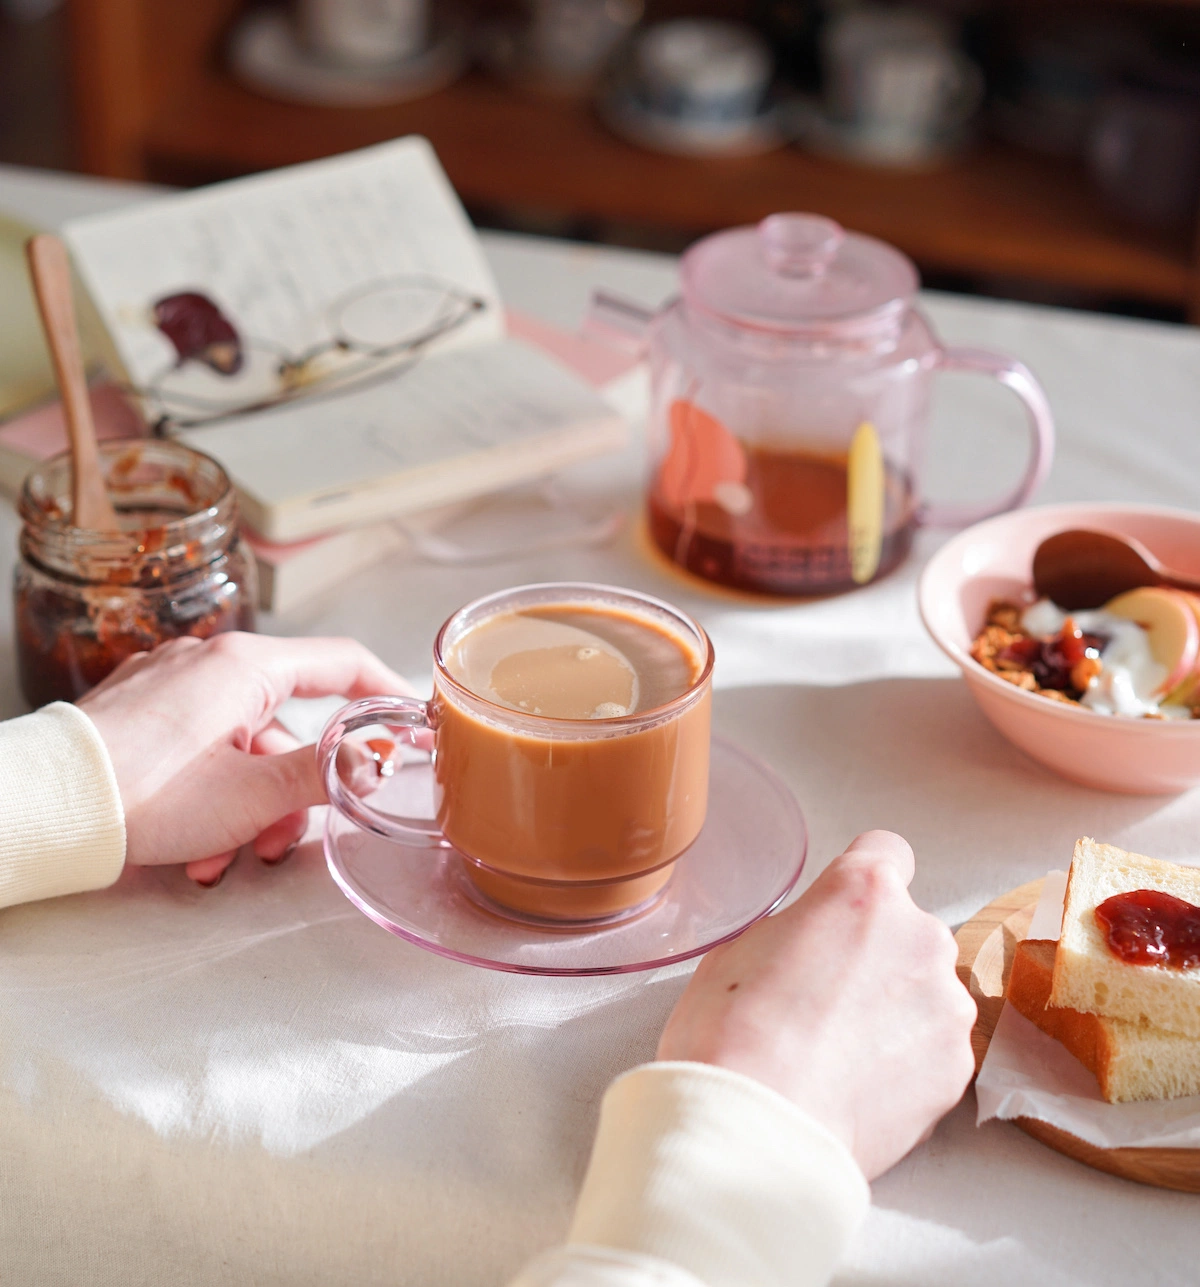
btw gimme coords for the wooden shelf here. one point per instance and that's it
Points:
(999, 211)
(153, 101)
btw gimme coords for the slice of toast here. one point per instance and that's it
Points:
(1128, 1060)
(1089, 977)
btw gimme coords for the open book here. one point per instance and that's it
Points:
(332, 334)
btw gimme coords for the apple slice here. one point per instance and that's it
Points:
(1187, 692)
(1173, 627)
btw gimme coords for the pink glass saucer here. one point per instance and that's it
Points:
(743, 864)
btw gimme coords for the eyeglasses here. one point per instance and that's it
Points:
(219, 372)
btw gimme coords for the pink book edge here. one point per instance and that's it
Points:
(42, 432)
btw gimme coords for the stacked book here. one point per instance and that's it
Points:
(333, 335)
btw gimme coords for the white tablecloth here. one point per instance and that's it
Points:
(256, 1085)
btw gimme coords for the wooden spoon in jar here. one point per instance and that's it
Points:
(1081, 569)
(51, 272)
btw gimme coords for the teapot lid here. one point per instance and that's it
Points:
(799, 273)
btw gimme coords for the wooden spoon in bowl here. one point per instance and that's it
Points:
(51, 272)
(1081, 569)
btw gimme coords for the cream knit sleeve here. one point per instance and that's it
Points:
(701, 1177)
(62, 828)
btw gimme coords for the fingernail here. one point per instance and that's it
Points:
(287, 853)
(212, 884)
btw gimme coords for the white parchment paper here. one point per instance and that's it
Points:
(1028, 1074)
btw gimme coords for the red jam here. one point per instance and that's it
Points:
(1148, 927)
(1051, 660)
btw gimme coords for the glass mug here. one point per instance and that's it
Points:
(790, 388)
(556, 820)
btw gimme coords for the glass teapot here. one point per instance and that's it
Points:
(790, 388)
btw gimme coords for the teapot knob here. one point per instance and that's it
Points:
(800, 245)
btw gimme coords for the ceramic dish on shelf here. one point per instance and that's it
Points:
(819, 132)
(745, 861)
(695, 87)
(993, 560)
(627, 116)
(562, 48)
(267, 55)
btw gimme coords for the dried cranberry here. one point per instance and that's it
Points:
(1052, 669)
(1024, 650)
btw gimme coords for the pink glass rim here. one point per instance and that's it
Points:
(563, 972)
(586, 592)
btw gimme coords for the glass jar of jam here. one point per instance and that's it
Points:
(86, 600)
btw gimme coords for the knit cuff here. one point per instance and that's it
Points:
(715, 1172)
(62, 827)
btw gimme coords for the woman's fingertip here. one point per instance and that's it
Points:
(286, 854)
(207, 872)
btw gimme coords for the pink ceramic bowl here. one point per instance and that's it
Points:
(993, 560)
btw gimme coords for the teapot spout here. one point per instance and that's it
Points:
(618, 322)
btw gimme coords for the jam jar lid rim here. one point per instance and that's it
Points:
(30, 512)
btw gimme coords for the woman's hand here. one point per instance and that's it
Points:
(201, 765)
(847, 1003)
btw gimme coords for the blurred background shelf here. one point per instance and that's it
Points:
(998, 211)
(153, 100)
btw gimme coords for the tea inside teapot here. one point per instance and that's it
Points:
(773, 518)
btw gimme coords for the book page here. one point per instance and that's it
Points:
(335, 267)
(456, 405)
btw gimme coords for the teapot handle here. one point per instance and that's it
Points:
(1016, 376)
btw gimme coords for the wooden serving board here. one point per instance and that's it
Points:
(986, 944)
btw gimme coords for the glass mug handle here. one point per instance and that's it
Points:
(407, 713)
(1017, 377)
